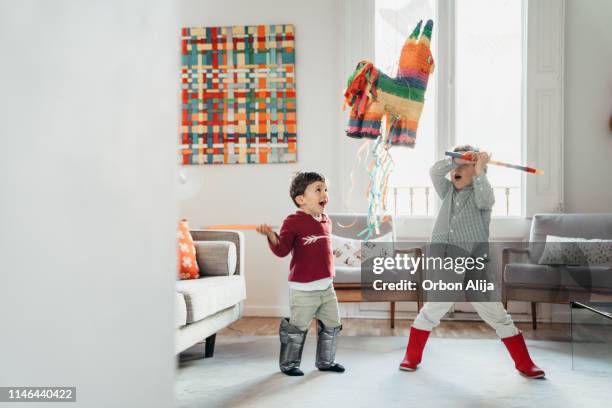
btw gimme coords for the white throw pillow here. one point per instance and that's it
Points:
(562, 251)
(598, 252)
(576, 251)
(347, 252)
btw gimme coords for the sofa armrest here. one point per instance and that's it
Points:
(509, 251)
(506, 253)
(237, 237)
(216, 258)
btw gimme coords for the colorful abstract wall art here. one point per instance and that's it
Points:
(238, 95)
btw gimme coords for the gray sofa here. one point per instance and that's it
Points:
(215, 300)
(524, 279)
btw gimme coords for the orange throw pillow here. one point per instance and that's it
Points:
(187, 263)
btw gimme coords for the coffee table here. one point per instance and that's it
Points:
(591, 328)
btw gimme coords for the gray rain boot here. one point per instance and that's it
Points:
(326, 348)
(292, 343)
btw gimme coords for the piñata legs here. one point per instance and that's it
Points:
(402, 132)
(368, 125)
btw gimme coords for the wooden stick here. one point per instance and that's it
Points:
(235, 227)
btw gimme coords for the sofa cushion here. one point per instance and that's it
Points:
(562, 251)
(597, 251)
(570, 277)
(237, 237)
(180, 311)
(347, 274)
(206, 296)
(187, 265)
(352, 225)
(347, 252)
(216, 258)
(577, 225)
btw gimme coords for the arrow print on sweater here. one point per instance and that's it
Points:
(311, 239)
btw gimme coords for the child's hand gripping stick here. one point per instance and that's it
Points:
(471, 157)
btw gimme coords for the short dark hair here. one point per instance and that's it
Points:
(301, 180)
(467, 148)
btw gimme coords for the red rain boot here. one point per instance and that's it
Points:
(518, 351)
(414, 350)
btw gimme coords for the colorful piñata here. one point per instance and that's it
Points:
(374, 95)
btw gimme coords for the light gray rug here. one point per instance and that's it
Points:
(454, 373)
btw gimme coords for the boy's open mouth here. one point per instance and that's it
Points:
(457, 177)
(322, 203)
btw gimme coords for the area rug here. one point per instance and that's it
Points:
(454, 373)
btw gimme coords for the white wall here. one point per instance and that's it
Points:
(252, 194)
(89, 108)
(258, 193)
(588, 106)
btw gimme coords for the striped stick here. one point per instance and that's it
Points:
(235, 227)
(467, 156)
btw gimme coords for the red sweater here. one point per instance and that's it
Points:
(310, 242)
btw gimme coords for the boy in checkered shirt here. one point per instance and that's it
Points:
(464, 217)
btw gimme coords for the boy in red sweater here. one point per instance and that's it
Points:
(307, 235)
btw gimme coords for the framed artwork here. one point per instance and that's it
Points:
(238, 95)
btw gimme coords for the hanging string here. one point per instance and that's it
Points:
(379, 170)
(363, 151)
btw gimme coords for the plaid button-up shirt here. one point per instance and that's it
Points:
(465, 214)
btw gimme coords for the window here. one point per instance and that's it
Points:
(412, 189)
(484, 91)
(488, 70)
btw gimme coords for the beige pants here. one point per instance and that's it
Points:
(306, 305)
(491, 312)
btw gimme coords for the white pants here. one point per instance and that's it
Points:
(491, 312)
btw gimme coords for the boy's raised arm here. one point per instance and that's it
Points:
(438, 173)
(483, 192)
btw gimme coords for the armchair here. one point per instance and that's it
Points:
(525, 279)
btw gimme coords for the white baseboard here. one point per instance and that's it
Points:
(266, 311)
(355, 313)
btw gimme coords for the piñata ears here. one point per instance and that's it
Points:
(416, 31)
(427, 29)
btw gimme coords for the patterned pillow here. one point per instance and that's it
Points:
(598, 252)
(187, 265)
(562, 251)
(347, 252)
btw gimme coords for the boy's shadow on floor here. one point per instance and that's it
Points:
(271, 384)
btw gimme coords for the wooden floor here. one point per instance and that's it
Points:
(268, 326)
